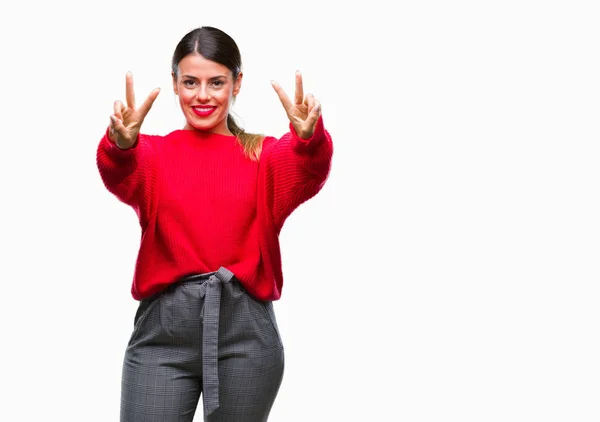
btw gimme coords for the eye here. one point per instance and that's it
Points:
(218, 83)
(189, 83)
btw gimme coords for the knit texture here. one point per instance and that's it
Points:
(203, 204)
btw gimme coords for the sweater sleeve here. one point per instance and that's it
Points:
(295, 170)
(130, 174)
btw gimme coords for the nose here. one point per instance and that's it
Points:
(203, 94)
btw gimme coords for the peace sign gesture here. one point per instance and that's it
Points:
(127, 120)
(303, 112)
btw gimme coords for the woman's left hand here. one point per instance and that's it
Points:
(303, 112)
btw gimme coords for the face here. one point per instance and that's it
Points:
(205, 89)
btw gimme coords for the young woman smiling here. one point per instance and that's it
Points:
(211, 201)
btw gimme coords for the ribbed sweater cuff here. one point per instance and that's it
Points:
(115, 151)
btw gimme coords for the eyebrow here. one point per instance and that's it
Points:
(212, 78)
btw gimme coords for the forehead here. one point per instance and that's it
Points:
(199, 67)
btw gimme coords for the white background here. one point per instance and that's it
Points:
(448, 270)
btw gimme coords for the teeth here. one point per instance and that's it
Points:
(204, 109)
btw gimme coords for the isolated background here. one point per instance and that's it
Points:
(448, 271)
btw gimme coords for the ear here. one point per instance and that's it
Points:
(238, 84)
(174, 83)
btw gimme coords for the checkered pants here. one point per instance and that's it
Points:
(203, 334)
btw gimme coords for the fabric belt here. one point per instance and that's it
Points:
(210, 337)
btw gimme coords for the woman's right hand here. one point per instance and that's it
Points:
(127, 120)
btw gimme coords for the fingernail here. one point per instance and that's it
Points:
(273, 82)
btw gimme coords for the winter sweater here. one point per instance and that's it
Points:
(203, 204)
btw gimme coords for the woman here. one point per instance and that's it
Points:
(211, 201)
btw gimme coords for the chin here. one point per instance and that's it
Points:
(204, 126)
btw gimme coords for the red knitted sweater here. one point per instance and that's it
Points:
(203, 204)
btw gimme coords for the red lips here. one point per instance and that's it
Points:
(203, 111)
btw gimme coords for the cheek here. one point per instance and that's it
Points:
(224, 96)
(185, 97)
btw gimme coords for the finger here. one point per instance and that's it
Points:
(299, 97)
(313, 116)
(147, 104)
(118, 108)
(285, 100)
(116, 127)
(111, 128)
(309, 101)
(129, 94)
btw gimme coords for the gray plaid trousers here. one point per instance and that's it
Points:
(203, 334)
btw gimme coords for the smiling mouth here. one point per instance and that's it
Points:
(204, 110)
